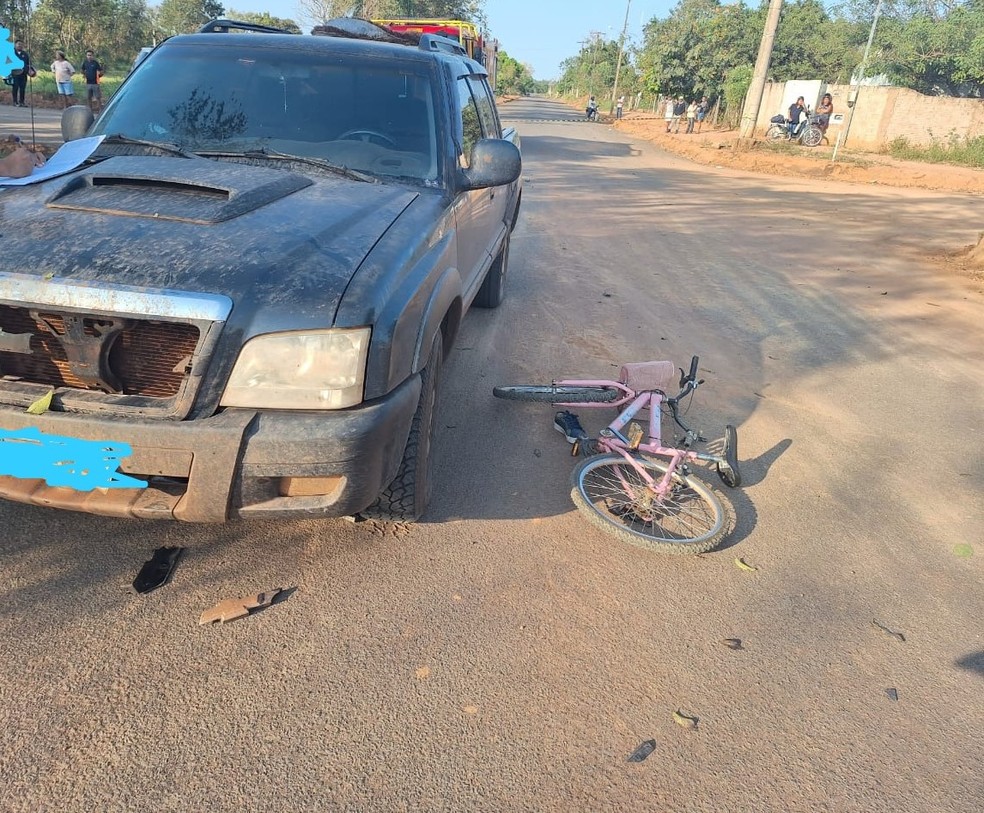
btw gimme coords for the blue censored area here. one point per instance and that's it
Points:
(59, 461)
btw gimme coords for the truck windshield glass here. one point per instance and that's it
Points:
(362, 114)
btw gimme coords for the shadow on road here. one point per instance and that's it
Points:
(973, 662)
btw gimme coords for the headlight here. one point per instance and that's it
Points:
(322, 369)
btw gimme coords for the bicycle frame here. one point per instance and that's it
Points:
(611, 439)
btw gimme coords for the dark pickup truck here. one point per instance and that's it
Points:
(240, 303)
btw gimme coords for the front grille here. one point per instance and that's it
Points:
(148, 358)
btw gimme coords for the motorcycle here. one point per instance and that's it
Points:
(807, 132)
(591, 112)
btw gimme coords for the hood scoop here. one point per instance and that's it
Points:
(188, 190)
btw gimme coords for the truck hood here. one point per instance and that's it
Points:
(272, 240)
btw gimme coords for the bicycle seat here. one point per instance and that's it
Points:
(648, 375)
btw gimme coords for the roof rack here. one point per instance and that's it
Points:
(225, 26)
(438, 42)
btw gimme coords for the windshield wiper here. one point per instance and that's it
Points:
(266, 152)
(163, 146)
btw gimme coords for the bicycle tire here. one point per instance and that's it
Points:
(812, 136)
(728, 469)
(692, 519)
(550, 394)
(777, 132)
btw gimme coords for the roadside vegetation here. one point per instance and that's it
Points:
(708, 48)
(117, 29)
(964, 151)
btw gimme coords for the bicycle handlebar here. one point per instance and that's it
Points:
(688, 381)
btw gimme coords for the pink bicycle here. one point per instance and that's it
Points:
(629, 483)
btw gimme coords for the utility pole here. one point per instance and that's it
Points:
(618, 63)
(753, 100)
(852, 98)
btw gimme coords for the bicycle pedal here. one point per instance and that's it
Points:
(634, 434)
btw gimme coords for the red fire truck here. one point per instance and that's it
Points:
(466, 34)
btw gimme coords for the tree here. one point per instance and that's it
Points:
(513, 77)
(592, 71)
(264, 18)
(320, 11)
(114, 29)
(187, 16)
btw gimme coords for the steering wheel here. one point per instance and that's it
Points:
(369, 136)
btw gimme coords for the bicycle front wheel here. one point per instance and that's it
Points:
(812, 136)
(615, 497)
(550, 394)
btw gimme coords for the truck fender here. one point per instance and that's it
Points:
(445, 301)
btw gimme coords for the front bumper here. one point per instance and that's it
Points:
(238, 463)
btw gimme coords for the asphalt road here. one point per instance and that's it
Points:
(39, 125)
(503, 655)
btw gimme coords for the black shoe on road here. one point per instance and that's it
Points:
(569, 426)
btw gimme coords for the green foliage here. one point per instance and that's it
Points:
(513, 77)
(264, 18)
(187, 16)
(933, 51)
(705, 47)
(114, 29)
(592, 71)
(734, 89)
(965, 151)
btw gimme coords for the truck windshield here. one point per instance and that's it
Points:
(366, 114)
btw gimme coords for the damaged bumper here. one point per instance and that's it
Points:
(238, 463)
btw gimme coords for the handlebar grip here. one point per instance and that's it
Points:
(693, 368)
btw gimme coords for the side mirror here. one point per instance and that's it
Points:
(493, 162)
(76, 121)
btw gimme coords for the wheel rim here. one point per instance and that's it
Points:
(618, 492)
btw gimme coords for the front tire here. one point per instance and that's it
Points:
(406, 497)
(615, 497)
(551, 394)
(812, 136)
(493, 289)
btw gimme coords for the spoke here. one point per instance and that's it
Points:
(621, 492)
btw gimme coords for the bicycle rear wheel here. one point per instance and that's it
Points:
(614, 496)
(777, 132)
(551, 394)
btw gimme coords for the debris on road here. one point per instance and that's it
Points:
(892, 694)
(897, 635)
(232, 608)
(42, 405)
(157, 571)
(643, 751)
(744, 565)
(687, 721)
(732, 643)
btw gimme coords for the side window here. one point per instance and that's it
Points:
(471, 125)
(486, 108)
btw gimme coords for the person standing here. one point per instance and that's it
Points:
(691, 115)
(702, 110)
(618, 107)
(668, 114)
(19, 85)
(679, 111)
(92, 71)
(824, 111)
(63, 71)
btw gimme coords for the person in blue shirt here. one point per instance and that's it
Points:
(796, 110)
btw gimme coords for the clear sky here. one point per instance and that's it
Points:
(539, 33)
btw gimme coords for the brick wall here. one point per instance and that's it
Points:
(885, 113)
